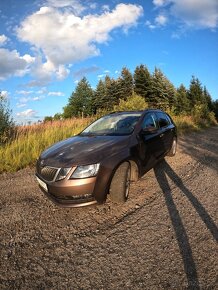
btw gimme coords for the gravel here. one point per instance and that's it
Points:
(164, 237)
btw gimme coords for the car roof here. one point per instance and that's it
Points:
(136, 111)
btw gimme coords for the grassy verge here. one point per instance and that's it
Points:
(30, 141)
(189, 123)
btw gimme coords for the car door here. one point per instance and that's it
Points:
(149, 141)
(166, 131)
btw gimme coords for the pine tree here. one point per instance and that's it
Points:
(80, 102)
(208, 99)
(163, 93)
(112, 92)
(125, 84)
(183, 103)
(99, 99)
(195, 93)
(142, 82)
(215, 108)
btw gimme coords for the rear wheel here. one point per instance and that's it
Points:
(120, 183)
(172, 151)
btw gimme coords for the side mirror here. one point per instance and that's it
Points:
(149, 130)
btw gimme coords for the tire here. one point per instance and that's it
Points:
(120, 183)
(172, 151)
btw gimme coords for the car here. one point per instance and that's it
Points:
(106, 157)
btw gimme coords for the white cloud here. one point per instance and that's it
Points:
(75, 5)
(85, 70)
(65, 38)
(42, 91)
(37, 83)
(23, 92)
(161, 20)
(4, 94)
(11, 63)
(62, 72)
(195, 14)
(150, 25)
(37, 98)
(27, 113)
(101, 76)
(3, 39)
(24, 99)
(106, 7)
(59, 94)
(19, 105)
(93, 6)
(159, 3)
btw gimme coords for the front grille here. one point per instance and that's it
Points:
(47, 173)
(76, 199)
(73, 197)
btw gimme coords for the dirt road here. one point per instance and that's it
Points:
(164, 237)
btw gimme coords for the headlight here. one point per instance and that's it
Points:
(85, 171)
(62, 173)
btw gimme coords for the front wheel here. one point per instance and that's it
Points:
(120, 183)
(172, 151)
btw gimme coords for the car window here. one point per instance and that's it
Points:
(169, 120)
(113, 124)
(149, 121)
(163, 120)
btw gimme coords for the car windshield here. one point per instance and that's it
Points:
(114, 124)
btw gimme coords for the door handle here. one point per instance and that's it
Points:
(161, 135)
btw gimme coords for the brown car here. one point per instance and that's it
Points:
(104, 158)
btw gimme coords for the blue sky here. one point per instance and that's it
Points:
(47, 46)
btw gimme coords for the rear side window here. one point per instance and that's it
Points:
(163, 120)
(149, 121)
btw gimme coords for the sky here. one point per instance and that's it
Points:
(47, 46)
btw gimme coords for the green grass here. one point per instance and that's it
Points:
(30, 141)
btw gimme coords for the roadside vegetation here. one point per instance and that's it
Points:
(6, 121)
(30, 141)
(191, 108)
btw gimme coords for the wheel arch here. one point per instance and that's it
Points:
(109, 168)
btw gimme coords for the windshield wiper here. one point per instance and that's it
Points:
(87, 134)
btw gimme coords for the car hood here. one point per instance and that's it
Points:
(81, 150)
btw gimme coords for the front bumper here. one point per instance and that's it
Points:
(70, 192)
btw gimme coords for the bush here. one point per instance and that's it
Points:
(202, 116)
(134, 102)
(6, 121)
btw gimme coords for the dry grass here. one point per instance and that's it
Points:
(192, 123)
(30, 141)
(185, 124)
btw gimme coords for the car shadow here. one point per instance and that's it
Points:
(162, 170)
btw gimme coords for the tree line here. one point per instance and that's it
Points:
(155, 88)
